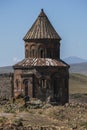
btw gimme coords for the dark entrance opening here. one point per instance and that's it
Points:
(56, 87)
(26, 87)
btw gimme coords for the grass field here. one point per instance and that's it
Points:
(78, 88)
(77, 83)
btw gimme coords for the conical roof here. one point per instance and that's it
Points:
(42, 29)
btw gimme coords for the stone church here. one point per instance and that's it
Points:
(42, 74)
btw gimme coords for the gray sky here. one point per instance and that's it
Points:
(69, 18)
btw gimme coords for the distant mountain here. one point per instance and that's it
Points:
(79, 68)
(77, 65)
(74, 60)
(6, 69)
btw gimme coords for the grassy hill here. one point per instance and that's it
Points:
(77, 83)
(78, 88)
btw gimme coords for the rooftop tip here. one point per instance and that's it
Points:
(42, 10)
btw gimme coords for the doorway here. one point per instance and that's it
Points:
(56, 87)
(26, 89)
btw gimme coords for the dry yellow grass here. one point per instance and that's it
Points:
(77, 84)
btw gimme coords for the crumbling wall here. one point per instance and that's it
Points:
(6, 86)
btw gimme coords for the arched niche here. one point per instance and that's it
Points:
(41, 51)
(33, 51)
(26, 87)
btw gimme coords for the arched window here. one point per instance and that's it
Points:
(33, 53)
(43, 83)
(33, 50)
(26, 53)
(42, 53)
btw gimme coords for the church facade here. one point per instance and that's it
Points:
(42, 74)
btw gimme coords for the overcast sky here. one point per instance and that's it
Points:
(69, 18)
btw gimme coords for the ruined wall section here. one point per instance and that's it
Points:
(6, 85)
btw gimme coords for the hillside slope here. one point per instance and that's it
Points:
(77, 83)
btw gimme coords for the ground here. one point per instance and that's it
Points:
(71, 116)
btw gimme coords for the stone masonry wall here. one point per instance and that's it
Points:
(6, 86)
